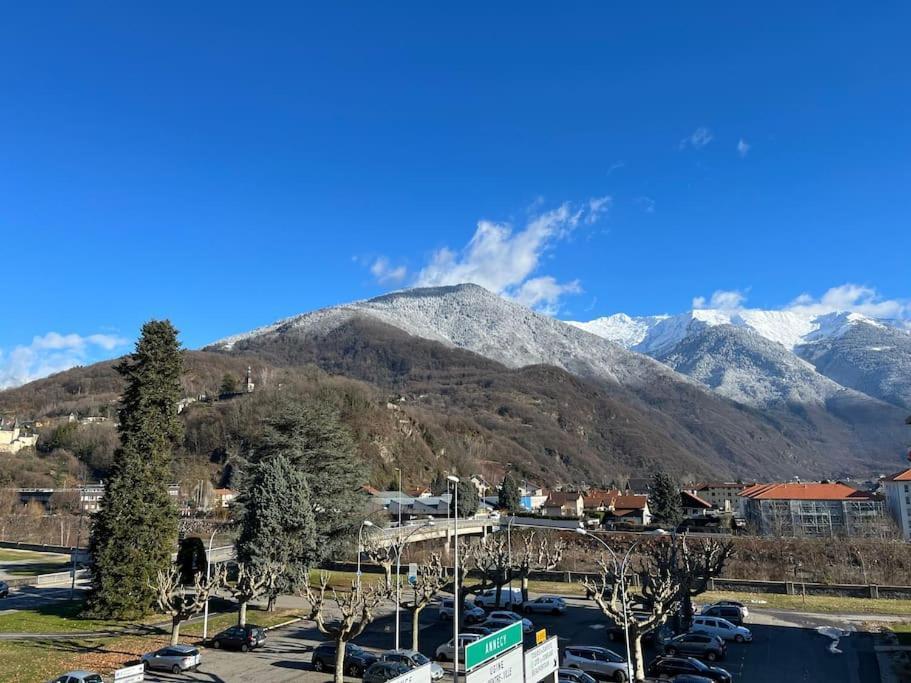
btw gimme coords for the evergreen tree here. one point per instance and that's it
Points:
(664, 500)
(439, 485)
(509, 498)
(312, 438)
(228, 384)
(135, 531)
(274, 513)
(468, 499)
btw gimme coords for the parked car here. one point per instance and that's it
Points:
(509, 597)
(573, 676)
(78, 677)
(469, 614)
(665, 667)
(413, 659)
(722, 628)
(4, 591)
(497, 623)
(243, 638)
(702, 645)
(380, 672)
(545, 604)
(734, 603)
(446, 651)
(478, 630)
(506, 615)
(734, 614)
(173, 658)
(357, 660)
(595, 661)
(691, 678)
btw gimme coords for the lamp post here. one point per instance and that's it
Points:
(360, 534)
(456, 598)
(205, 618)
(620, 568)
(398, 573)
(512, 518)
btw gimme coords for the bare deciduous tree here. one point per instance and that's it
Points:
(698, 561)
(656, 598)
(181, 602)
(382, 554)
(536, 556)
(430, 580)
(491, 559)
(355, 612)
(252, 582)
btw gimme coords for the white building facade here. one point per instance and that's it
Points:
(897, 489)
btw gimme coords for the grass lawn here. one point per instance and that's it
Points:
(903, 631)
(9, 555)
(37, 568)
(57, 617)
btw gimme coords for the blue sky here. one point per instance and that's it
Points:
(225, 165)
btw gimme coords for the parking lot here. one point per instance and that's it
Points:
(785, 647)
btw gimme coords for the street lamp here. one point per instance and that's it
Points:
(398, 573)
(205, 619)
(620, 568)
(360, 534)
(456, 599)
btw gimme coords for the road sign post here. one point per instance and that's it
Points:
(542, 662)
(130, 674)
(491, 646)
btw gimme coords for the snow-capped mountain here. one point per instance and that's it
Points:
(804, 356)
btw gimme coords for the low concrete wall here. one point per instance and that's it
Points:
(48, 579)
(40, 547)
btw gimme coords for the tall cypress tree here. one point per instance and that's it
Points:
(664, 500)
(509, 498)
(135, 531)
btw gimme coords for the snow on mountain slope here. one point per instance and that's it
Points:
(836, 359)
(470, 317)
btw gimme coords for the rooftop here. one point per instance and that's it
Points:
(904, 475)
(690, 500)
(804, 491)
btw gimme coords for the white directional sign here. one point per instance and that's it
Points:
(413, 573)
(419, 675)
(130, 674)
(507, 668)
(541, 661)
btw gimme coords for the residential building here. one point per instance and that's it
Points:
(818, 509)
(531, 496)
(722, 495)
(563, 504)
(693, 505)
(618, 506)
(13, 439)
(897, 490)
(222, 498)
(90, 495)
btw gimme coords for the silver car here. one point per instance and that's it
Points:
(78, 677)
(596, 661)
(546, 604)
(413, 659)
(446, 651)
(574, 676)
(173, 658)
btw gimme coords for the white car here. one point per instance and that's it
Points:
(722, 628)
(78, 677)
(508, 597)
(174, 658)
(446, 652)
(545, 604)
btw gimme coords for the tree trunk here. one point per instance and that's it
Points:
(242, 614)
(686, 611)
(339, 661)
(415, 627)
(270, 605)
(175, 629)
(638, 659)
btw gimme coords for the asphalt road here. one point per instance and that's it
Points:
(31, 597)
(786, 648)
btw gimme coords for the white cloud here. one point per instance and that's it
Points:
(698, 139)
(854, 298)
(50, 353)
(743, 147)
(504, 260)
(385, 273)
(725, 300)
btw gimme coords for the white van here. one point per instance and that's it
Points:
(508, 598)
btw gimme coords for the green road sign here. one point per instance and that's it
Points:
(496, 643)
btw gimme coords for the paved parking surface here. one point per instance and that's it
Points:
(786, 648)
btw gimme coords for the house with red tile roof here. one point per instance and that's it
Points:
(723, 495)
(693, 505)
(816, 509)
(897, 489)
(563, 504)
(618, 506)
